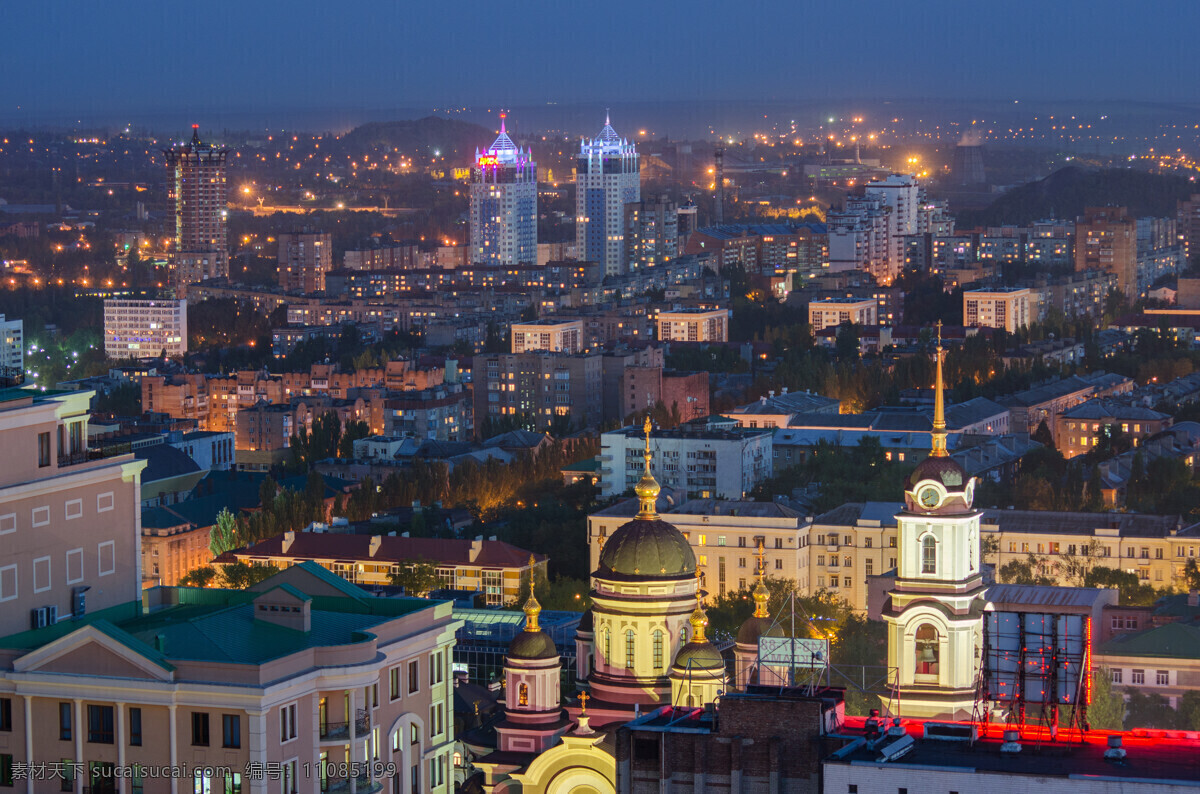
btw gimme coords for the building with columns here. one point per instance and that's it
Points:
(296, 676)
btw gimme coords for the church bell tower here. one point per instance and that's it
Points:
(935, 610)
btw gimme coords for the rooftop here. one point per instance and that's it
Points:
(1171, 640)
(355, 548)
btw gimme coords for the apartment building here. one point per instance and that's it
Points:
(682, 393)
(491, 567)
(263, 435)
(69, 519)
(832, 312)
(1106, 239)
(705, 458)
(295, 677)
(304, 258)
(1089, 424)
(144, 328)
(839, 550)
(543, 386)
(12, 350)
(1044, 403)
(554, 336)
(442, 413)
(1006, 309)
(694, 325)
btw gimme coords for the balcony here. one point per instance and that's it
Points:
(339, 731)
(362, 785)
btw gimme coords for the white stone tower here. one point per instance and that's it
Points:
(935, 610)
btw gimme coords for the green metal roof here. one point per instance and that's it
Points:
(1173, 640)
(332, 579)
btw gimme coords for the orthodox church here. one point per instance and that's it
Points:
(643, 645)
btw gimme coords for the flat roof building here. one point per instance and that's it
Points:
(1007, 308)
(553, 336)
(144, 328)
(694, 325)
(832, 312)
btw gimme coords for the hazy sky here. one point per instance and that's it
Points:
(149, 56)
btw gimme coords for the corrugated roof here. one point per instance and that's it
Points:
(1021, 597)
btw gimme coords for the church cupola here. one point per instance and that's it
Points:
(698, 674)
(533, 713)
(747, 669)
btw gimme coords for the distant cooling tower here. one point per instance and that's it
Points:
(967, 168)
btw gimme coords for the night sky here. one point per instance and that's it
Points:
(144, 57)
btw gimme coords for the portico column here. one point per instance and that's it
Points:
(28, 740)
(174, 734)
(122, 779)
(77, 735)
(257, 724)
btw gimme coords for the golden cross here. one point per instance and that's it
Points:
(583, 699)
(761, 564)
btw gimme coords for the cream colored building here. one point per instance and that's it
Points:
(1007, 309)
(694, 325)
(554, 336)
(832, 312)
(295, 677)
(69, 520)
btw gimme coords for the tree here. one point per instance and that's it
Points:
(199, 577)
(241, 575)
(847, 344)
(1191, 574)
(417, 577)
(1107, 709)
(1043, 435)
(1027, 571)
(223, 535)
(267, 491)
(1148, 710)
(353, 431)
(1133, 592)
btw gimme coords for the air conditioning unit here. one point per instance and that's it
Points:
(38, 618)
(51, 614)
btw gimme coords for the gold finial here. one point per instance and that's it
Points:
(647, 489)
(698, 618)
(584, 697)
(532, 608)
(939, 404)
(760, 594)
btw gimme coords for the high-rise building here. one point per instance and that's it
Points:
(607, 177)
(199, 190)
(1106, 239)
(1006, 308)
(304, 259)
(69, 524)
(12, 351)
(1188, 218)
(144, 328)
(504, 204)
(651, 232)
(901, 195)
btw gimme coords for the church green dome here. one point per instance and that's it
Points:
(647, 547)
(532, 645)
(755, 627)
(699, 656)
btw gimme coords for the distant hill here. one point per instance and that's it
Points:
(1066, 192)
(421, 138)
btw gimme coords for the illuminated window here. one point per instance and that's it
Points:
(523, 695)
(630, 649)
(658, 649)
(927, 650)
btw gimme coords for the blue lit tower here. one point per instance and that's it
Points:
(607, 177)
(504, 204)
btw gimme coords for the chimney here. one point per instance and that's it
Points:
(476, 547)
(1115, 751)
(771, 394)
(374, 545)
(289, 538)
(1012, 742)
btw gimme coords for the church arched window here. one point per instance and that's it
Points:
(630, 649)
(929, 554)
(658, 649)
(523, 695)
(927, 650)
(606, 637)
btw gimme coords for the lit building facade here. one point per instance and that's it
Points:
(832, 312)
(554, 336)
(199, 192)
(304, 259)
(1106, 239)
(144, 328)
(12, 348)
(607, 177)
(1007, 309)
(694, 325)
(504, 204)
